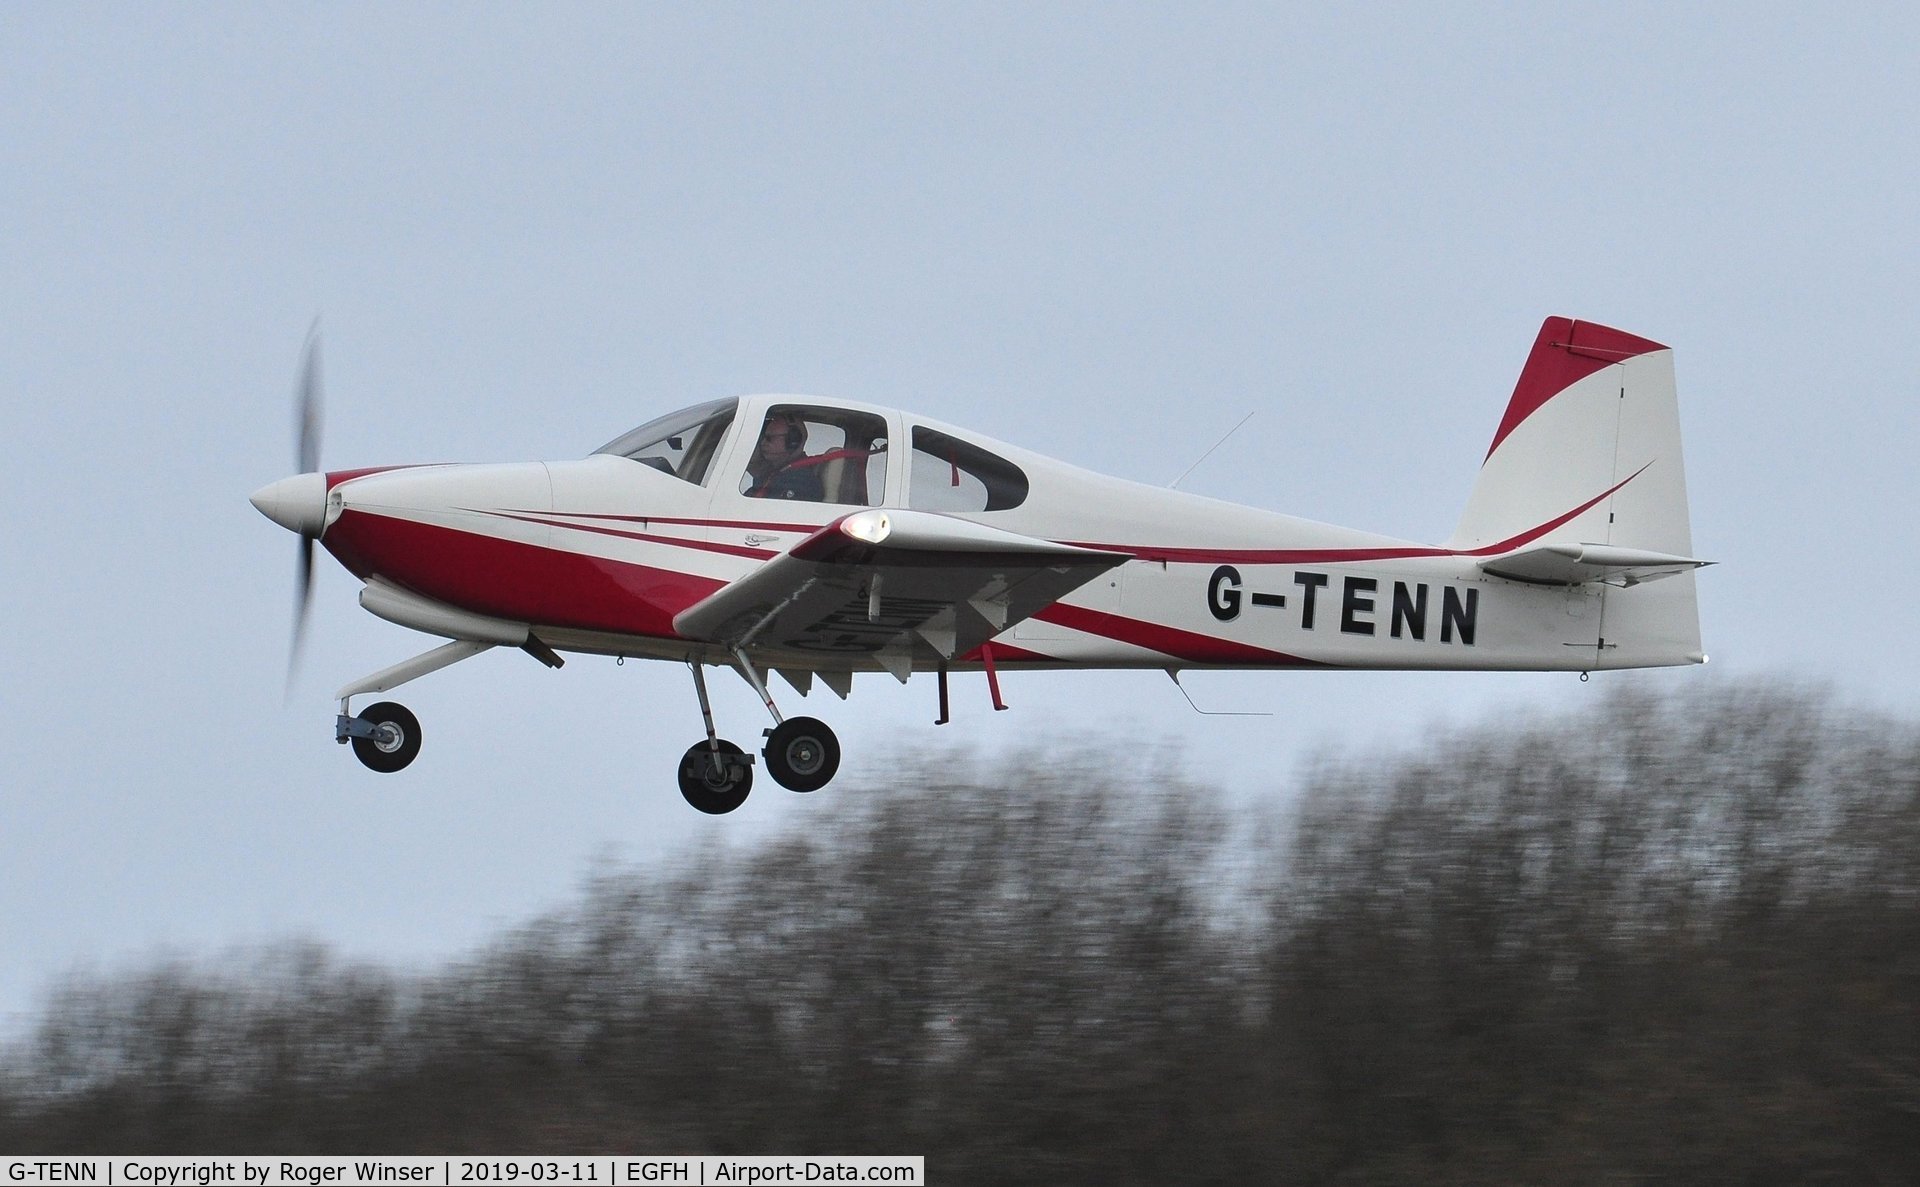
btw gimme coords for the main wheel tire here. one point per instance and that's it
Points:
(715, 783)
(802, 754)
(397, 741)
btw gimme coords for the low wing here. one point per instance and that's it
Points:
(1578, 564)
(884, 585)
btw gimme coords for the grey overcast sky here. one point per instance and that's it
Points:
(1103, 231)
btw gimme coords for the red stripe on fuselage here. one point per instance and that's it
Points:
(1187, 645)
(336, 477)
(759, 554)
(1007, 653)
(750, 524)
(513, 580)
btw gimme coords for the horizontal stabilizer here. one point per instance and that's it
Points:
(1578, 564)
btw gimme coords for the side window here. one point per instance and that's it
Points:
(818, 455)
(681, 444)
(949, 474)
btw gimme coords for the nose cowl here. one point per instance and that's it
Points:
(298, 504)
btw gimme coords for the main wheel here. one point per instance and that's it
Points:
(715, 783)
(802, 754)
(396, 739)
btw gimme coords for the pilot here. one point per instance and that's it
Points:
(781, 468)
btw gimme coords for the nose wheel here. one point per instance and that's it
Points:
(385, 737)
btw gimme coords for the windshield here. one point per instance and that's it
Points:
(680, 443)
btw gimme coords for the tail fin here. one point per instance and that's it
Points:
(1587, 460)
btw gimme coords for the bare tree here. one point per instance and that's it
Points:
(1670, 937)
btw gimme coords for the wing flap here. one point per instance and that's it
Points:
(1580, 564)
(887, 584)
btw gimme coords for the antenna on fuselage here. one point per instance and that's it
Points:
(1175, 674)
(1175, 484)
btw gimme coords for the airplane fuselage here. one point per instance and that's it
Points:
(600, 554)
(817, 538)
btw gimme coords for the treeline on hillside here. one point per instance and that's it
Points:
(1671, 937)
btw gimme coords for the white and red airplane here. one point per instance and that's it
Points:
(818, 538)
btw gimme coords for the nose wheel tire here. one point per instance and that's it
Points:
(802, 754)
(715, 783)
(395, 741)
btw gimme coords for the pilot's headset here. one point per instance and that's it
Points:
(796, 430)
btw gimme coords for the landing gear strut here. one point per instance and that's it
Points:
(386, 737)
(715, 775)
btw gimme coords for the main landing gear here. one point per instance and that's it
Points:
(715, 775)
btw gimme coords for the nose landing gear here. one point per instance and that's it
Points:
(386, 737)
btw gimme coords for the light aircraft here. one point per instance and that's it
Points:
(817, 538)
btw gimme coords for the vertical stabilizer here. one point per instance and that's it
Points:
(1588, 453)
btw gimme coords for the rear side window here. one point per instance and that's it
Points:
(949, 474)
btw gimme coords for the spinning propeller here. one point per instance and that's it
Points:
(299, 503)
(308, 409)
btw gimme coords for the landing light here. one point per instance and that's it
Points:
(869, 526)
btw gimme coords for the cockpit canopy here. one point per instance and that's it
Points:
(823, 453)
